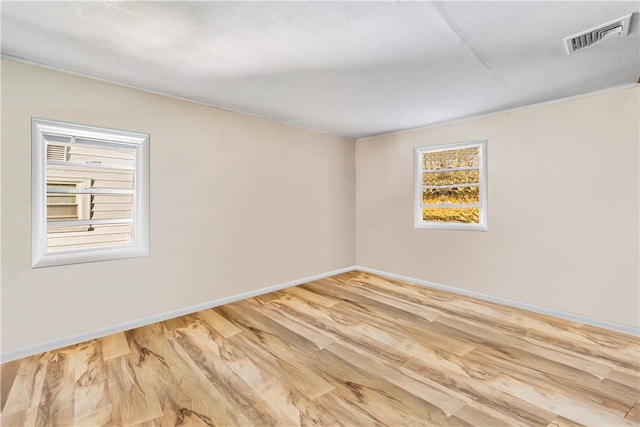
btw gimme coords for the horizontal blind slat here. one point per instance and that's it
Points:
(88, 238)
(89, 222)
(90, 165)
(473, 168)
(83, 230)
(451, 186)
(52, 190)
(451, 205)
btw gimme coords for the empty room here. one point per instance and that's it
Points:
(320, 213)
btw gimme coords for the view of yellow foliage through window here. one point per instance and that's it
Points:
(451, 179)
(464, 215)
(451, 159)
(451, 195)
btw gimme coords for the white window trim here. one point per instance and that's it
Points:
(139, 245)
(418, 222)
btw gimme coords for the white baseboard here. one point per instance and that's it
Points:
(612, 326)
(125, 326)
(136, 323)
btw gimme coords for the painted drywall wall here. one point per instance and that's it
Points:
(237, 204)
(563, 208)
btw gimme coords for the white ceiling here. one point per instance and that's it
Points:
(353, 69)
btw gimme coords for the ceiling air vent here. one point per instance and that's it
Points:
(597, 35)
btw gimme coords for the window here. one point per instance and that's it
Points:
(90, 198)
(451, 186)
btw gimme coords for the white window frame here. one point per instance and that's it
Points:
(418, 187)
(139, 243)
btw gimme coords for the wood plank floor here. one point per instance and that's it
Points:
(354, 350)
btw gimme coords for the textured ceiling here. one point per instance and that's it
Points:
(353, 69)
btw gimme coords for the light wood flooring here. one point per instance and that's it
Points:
(354, 350)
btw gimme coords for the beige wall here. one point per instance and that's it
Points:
(237, 204)
(563, 208)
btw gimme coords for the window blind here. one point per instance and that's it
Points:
(90, 190)
(451, 185)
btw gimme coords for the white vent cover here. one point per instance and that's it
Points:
(56, 152)
(597, 35)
